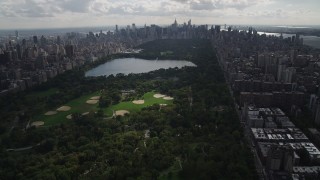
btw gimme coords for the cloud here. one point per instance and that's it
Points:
(51, 8)
(42, 8)
(6, 11)
(89, 11)
(220, 4)
(78, 6)
(204, 5)
(26, 8)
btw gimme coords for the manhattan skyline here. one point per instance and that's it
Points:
(20, 14)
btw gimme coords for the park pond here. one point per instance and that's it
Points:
(135, 65)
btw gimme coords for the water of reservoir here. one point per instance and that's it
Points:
(135, 65)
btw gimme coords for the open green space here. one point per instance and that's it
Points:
(129, 106)
(79, 105)
(165, 53)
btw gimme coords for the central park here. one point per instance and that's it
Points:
(176, 123)
(90, 104)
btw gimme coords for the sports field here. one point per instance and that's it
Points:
(78, 105)
(81, 105)
(131, 107)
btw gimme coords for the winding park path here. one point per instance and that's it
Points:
(20, 149)
(23, 148)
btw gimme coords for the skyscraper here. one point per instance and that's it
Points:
(290, 72)
(217, 28)
(58, 40)
(35, 39)
(175, 23)
(19, 52)
(117, 30)
(69, 50)
(133, 26)
(17, 34)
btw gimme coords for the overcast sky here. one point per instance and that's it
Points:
(83, 13)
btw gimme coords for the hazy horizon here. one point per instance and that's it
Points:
(48, 14)
(296, 26)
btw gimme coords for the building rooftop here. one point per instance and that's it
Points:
(306, 169)
(280, 135)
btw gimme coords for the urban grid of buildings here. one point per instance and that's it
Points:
(272, 79)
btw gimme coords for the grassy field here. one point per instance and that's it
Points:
(129, 106)
(79, 105)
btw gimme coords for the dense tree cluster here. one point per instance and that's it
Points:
(198, 137)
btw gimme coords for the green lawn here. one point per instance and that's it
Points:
(79, 105)
(165, 53)
(129, 106)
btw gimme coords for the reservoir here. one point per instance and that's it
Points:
(135, 65)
